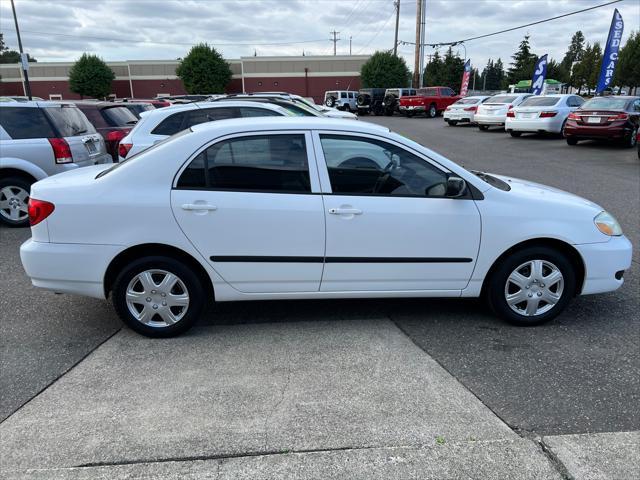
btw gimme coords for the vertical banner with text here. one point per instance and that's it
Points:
(610, 58)
(539, 75)
(464, 86)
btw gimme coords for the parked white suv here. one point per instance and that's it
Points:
(307, 207)
(39, 139)
(156, 125)
(342, 100)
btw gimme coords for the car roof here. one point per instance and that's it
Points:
(238, 125)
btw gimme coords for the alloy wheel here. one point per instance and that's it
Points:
(14, 203)
(157, 298)
(534, 288)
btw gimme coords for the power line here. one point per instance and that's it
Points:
(378, 32)
(513, 28)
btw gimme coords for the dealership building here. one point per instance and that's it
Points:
(309, 76)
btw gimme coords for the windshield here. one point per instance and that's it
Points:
(540, 101)
(119, 116)
(602, 103)
(304, 101)
(300, 110)
(500, 99)
(69, 120)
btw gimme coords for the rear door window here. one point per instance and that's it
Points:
(22, 123)
(204, 115)
(171, 124)
(69, 120)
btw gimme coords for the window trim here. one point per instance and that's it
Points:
(311, 163)
(325, 182)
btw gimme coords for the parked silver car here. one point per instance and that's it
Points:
(37, 140)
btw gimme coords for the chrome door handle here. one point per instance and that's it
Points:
(198, 206)
(345, 211)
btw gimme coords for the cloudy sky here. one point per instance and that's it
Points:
(60, 30)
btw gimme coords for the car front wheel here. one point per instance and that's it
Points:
(633, 139)
(14, 201)
(452, 123)
(515, 134)
(433, 111)
(483, 128)
(158, 296)
(572, 141)
(531, 286)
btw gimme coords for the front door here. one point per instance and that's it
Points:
(389, 225)
(249, 205)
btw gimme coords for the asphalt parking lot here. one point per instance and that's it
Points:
(575, 375)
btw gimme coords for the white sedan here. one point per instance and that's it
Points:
(493, 111)
(291, 208)
(463, 111)
(541, 114)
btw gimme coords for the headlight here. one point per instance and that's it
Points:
(607, 224)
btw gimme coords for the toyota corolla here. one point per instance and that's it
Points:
(291, 208)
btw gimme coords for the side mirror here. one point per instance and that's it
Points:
(456, 187)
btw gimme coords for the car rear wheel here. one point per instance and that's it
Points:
(572, 141)
(433, 111)
(633, 139)
(515, 134)
(330, 102)
(408, 114)
(158, 296)
(483, 128)
(531, 286)
(452, 123)
(14, 201)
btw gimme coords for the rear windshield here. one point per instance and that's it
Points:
(139, 108)
(299, 110)
(468, 101)
(21, 123)
(502, 99)
(119, 116)
(331, 94)
(69, 120)
(540, 101)
(602, 103)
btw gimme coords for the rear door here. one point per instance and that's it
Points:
(86, 144)
(250, 204)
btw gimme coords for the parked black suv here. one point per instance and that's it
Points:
(391, 102)
(370, 101)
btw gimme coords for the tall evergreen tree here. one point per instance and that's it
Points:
(523, 62)
(573, 55)
(627, 72)
(586, 71)
(433, 71)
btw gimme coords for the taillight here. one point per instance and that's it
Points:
(620, 116)
(548, 114)
(471, 109)
(116, 135)
(61, 150)
(573, 116)
(123, 149)
(39, 210)
(511, 114)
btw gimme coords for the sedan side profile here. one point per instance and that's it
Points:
(292, 208)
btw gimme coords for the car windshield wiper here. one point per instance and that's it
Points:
(79, 132)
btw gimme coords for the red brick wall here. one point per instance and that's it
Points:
(307, 87)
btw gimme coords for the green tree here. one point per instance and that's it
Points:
(10, 56)
(90, 77)
(586, 71)
(493, 75)
(573, 55)
(204, 70)
(444, 71)
(628, 68)
(523, 62)
(433, 71)
(384, 69)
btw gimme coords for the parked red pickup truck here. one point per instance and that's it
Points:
(430, 100)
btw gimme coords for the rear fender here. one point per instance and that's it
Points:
(22, 165)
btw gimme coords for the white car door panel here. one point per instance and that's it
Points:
(404, 236)
(255, 215)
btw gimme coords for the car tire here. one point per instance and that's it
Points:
(408, 114)
(389, 112)
(483, 128)
(515, 134)
(452, 123)
(572, 141)
(433, 111)
(143, 278)
(542, 263)
(15, 212)
(330, 102)
(632, 140)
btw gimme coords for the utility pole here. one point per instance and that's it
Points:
(335, 40)
(395, 43)
(423, 29)
(350, 38)
(416, 62)
(23, 57)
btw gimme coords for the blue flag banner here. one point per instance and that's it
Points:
(610, 58)
(539, 75)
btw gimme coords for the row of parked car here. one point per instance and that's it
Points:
(42, 138)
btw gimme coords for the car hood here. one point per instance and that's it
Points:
(539, 192)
